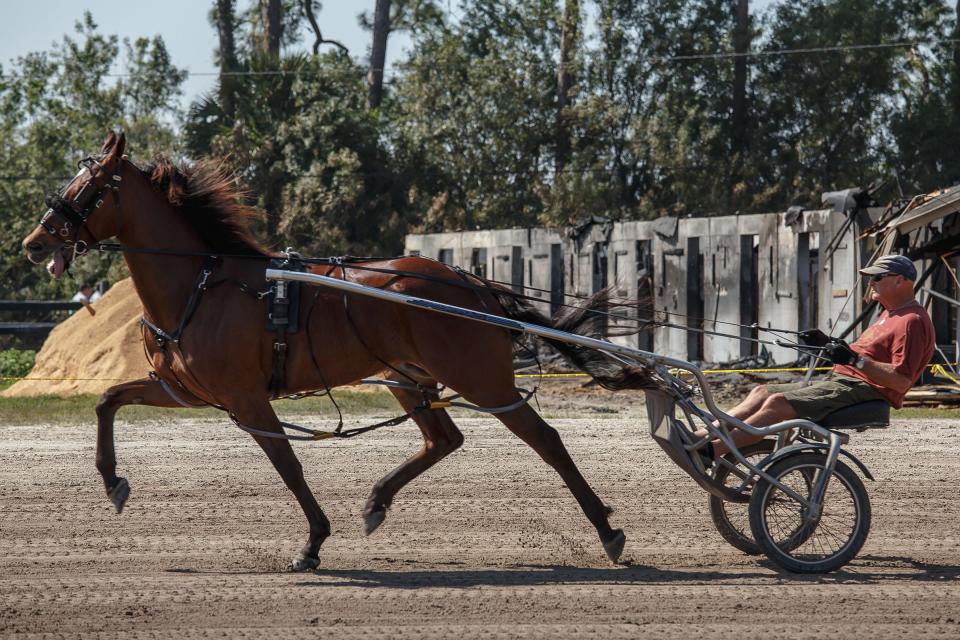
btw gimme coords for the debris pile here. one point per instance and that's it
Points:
(89, 353)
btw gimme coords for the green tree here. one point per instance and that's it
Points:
(341, 192)
(56, 106)
(474, 109)
(924, 114)
(823, 119)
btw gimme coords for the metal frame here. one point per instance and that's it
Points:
(663, 366)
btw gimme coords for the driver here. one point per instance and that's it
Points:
(883, 364)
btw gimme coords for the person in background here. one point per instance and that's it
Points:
(85, 296)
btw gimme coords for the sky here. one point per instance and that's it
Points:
(37, 25)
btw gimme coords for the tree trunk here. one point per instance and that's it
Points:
(378, 53)
(228, 56)
(741, 39)
(307, 7)
(738, 130)
(271, 12)
(566, 78)
(956, 66)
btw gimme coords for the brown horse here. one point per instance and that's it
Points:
(210, 344)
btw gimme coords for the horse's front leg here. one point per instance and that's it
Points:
(146, 391)
(260, 415)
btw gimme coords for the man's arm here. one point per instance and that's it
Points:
(886, 375)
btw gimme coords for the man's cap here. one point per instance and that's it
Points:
(892, 264)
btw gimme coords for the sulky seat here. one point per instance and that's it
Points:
(873, 414)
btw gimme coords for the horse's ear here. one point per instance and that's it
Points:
(108, 143)
(115, 151)
(121, 143)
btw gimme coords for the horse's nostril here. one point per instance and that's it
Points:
(35, 247)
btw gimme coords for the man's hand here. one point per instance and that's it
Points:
(838, 352)
(813, 338)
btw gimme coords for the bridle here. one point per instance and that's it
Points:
(71, 216)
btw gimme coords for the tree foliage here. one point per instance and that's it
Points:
(467, 134)
(55, 106)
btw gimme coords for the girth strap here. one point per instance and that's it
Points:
(173, 394)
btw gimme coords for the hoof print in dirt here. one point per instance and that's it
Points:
(614, 546)
(303, 563)
(119, 493)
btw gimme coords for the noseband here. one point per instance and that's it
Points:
(71, 215)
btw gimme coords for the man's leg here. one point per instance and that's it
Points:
(751, 404)
(772, 410)
(812, 402)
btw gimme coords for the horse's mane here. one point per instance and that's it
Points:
(211, 202)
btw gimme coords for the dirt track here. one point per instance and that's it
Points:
(488, 544)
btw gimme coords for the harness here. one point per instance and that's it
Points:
(71, 215)
(200, 286)
(283, 318)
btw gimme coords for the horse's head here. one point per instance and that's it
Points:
(82, 212)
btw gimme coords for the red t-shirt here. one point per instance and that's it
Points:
(904, 338)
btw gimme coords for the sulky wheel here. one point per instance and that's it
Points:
(827, 544)
(732, 519)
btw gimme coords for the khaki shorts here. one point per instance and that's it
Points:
(818, 399)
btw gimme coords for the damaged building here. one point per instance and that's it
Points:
(792, 270)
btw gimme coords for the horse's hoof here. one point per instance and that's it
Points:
(373, 517)
(119, 493)
(614, 546)
(303, 563)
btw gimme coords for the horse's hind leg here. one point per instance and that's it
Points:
(440, 438)
(544, 439)
(145, 391)
(258, 414)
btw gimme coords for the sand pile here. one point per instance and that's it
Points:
(94, 352)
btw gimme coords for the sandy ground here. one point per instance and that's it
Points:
(489, 544)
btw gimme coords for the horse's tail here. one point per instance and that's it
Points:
(586, 319)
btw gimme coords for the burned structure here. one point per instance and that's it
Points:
(791, 270)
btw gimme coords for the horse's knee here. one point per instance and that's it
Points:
(107, 403)
(116, 397)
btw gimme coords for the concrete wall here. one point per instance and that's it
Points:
(705, 272)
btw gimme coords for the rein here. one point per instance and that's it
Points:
(355, 263)
(201, 285)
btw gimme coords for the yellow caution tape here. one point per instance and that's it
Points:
(935, 369)
(66, 379)
(706, 371)
(940, 370)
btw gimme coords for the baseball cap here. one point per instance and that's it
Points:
(892, 264)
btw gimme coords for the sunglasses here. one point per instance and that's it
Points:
(881, 276)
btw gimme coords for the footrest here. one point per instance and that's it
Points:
(667, 435)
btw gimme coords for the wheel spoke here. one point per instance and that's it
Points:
(825, 542)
